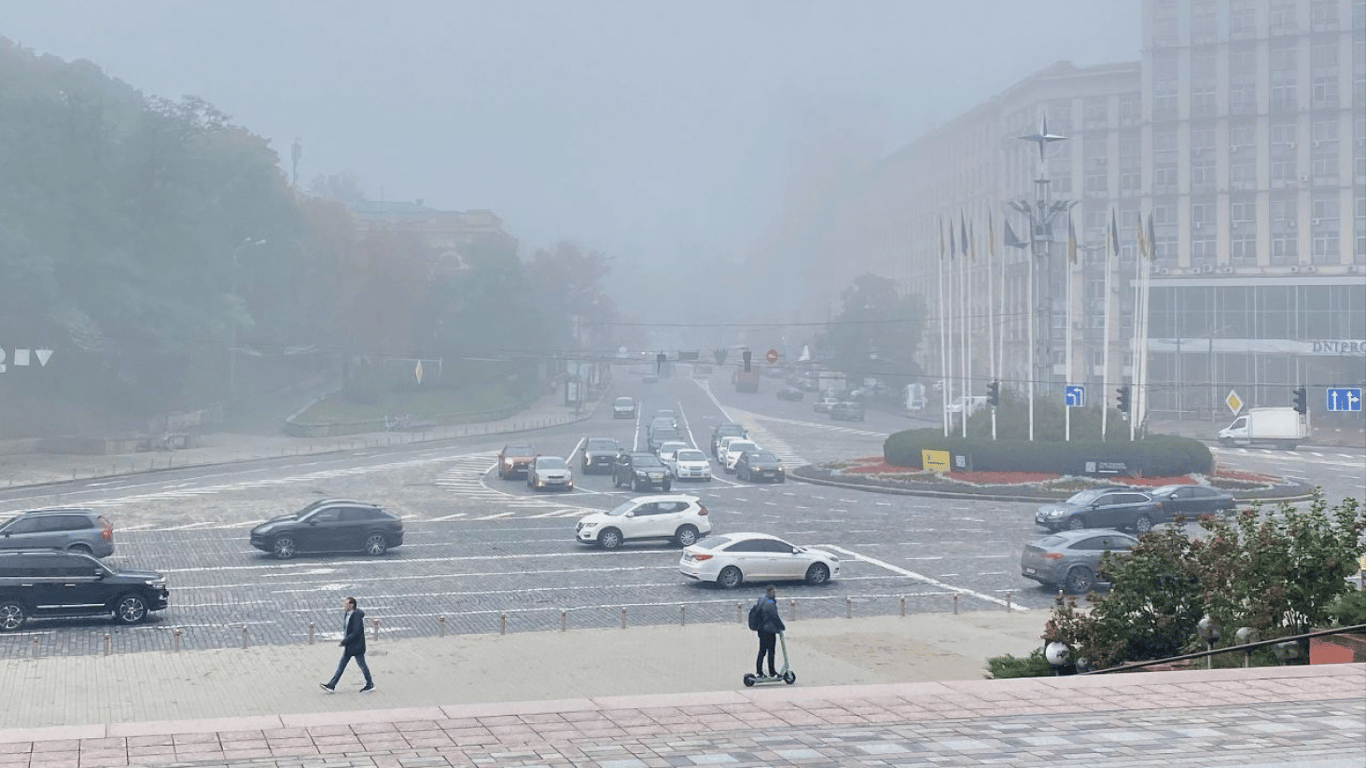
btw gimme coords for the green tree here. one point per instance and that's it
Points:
(877, 331)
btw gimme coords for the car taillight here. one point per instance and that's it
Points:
(701, 510)
(701, 557)
(1052, 555)
(107, 528)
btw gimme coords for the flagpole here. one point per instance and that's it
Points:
(1141, 398)
(1111, 252)
(950, 301)
(965, 325)
(1137, 339)
(1067, 354)
(943, 338)
(967, 354)
(992, 330)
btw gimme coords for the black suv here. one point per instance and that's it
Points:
(330, 525)
(641, 471)
(599, 454)
(38, 583)
(1122, 508)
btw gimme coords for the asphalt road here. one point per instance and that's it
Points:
(479, 548)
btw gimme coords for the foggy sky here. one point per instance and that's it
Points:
(633, 126)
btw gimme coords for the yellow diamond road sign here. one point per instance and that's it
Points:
(1234, 402)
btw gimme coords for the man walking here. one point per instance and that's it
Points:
(353, 640)
(770, 624)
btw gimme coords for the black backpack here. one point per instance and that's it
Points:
(756, 616)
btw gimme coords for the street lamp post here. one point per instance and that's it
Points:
(232, 342)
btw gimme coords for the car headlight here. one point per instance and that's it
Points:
(589, 525)
(781, 468)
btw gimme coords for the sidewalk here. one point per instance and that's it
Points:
(225, 447)
(877, 691)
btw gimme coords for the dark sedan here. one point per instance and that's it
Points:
(330, 525)
(1103, 508)
(760, 465)
(1193, 500)
(791, 393)
(848, 410)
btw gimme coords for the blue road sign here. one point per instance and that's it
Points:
(1344, 398)
(1075, 396)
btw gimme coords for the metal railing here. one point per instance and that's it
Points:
(1245, 647)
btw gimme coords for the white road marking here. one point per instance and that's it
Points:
(924, 578)
(496, 516)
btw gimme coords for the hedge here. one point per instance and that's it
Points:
(1154, 456)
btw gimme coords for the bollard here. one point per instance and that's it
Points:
(793, 605)
(502, 623)
(312, 628)
(175, 640)
(35, 647)
(441, 627)
(682, 615)
(848, 607)
(108, 645)
(623, 618)
(740, 613)
(903, 606)
(955, 603)
(1008, 594)
(374, 623)
(564, 620)
(245, 636)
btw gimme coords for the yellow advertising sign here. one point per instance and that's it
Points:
(935, 461)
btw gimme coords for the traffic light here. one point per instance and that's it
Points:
(1301, 400)
(747, 359)
(994, 393)
(659, 363)
(1122, 399)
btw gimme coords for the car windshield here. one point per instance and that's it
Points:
(624, 401)
(647, 462)
(665, 433)
(550, 462)
(519, 450)
(1084, 497)
(762, 456)
(621, 509)
(601, 445)
(1166, 489)
(740, 446)
(729, 429)
(690, 455)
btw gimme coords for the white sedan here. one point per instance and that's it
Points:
(733, 450)
(690, 464)
(729, 559)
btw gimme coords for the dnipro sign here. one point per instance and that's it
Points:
(935, 461)
(1106, 468)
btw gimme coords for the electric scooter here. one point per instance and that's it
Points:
(785, 675)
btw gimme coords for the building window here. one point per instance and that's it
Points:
(1202, 216)
(1243, 249)
(1323, 92)
(1204, 22)
(1242, 171)
(1283, 17)
(1242, 137)
(1164, 179)
(1326, 248)
(1242, 213)
(1284, 213)
(1204, 249)
(1130, 109)
(1284, 249)
(1203, 176)
(1324, 209)
(1096, 113)
(1242, 20)
(1323, 15)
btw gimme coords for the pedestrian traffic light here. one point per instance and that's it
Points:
(1301, 400)
(659, 363)
(1122, 399)
(748, 355)
(994, 393)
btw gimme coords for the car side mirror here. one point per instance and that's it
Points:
(99, 573)
(796, 550)
(630, 514)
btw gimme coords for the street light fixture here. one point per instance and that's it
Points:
(247, 242)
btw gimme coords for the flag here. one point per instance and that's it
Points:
(1152, 240)
(1011, 239)
(1071, 241)
(953, 244)
(972, 242)
(1142, 238)
(963, 232)
(991, 235)
(941, 238)
(1114, 234)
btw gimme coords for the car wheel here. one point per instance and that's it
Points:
(1143, 523)
(817, 574)
(667, 485)
(376, 544)
(1080, 580)
(12, 615)
(782, 478)
(729, 577)
(609, 539)
(284, 547)
(130, 609)
(686, 536)
(1076, 523)
(635, 484)
(81, 549)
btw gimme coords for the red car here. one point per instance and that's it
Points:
(515, 459)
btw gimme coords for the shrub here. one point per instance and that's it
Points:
(1349, 610)
(1033, 665)
(1160, 456)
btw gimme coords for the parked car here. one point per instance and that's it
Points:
(1121, 508)
(663, 435)
(330, 525)
(668, 449)
(725, 429)
(624, 408)
(46, 583)
(599, 453)
(760, 465)
(641, 471)
(825, 403)
(514, 460)
(74, 530)
(548, 473)
(690, 464)
(734, 449)
(791, 393)
(1071, 559)
(682, 519)
(731, 559)
(1193, 500)
(849, 410)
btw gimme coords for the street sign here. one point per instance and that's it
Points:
(1234, 402)
(772, 356)
(23, 357)
(1344, 398)
(1075, 396)
(417, 371)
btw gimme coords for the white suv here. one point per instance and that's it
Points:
(680, 518)
(690, 464)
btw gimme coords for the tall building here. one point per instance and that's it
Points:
(1254, 144)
